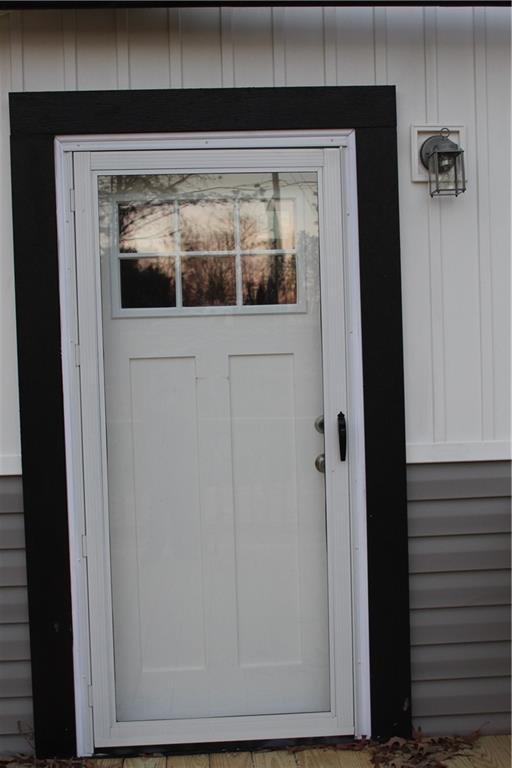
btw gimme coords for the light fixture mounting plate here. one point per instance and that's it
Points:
(420, 133)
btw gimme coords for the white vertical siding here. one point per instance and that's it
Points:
(10, 463)
(251, 40)
(304, 52)
(449, 65)
(201, 48)
(495, 132)
(99, 49)
(354, 46)
(459, 255)
(147, 49)
(41, 40)
(406, 41)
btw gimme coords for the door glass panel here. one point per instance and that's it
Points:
(269, 279)
(268, 223)
(148, 282)
(212, 347)
(262, 224)
(208, 281)
(207, 225)
(146, 227)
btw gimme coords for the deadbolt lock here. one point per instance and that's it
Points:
(320, 462)
(319, 424)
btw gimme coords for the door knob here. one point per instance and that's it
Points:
(319, 424)
(320, 462)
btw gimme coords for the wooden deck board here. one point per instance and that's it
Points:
(279, 759)
(231, 760)
(462, 761)
(488, 752)
(348, 758)
(188, 761)
(111, 762)
(492, 752)
(318, 758)
(145, 762)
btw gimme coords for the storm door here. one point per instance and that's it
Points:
(213, 391)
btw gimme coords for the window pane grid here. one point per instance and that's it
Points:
(234, 252)
(213, 229)
(244, 296)
(233, 242)
(179, 271)
(147, 221)
(239, 297)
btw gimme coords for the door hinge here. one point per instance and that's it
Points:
(72, 200)
(84, 545)
(89, 695)
(77, 355)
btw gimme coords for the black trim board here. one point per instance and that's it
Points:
(36, 118)
(237, 109)
(42, 430)
(93, 4)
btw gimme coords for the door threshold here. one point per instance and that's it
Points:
(259, 745)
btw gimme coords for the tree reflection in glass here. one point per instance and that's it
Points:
(233, 239)
(267, 224)
(208, 281)
(149, 282)
(146, 227)
(269, 279)
(207, 225)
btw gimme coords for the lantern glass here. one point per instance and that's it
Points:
(446, 173)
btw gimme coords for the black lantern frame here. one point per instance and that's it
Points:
(444, 160)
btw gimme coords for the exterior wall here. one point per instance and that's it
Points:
(450, 65)
(459, 523)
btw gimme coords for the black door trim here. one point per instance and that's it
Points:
(36, 118)
(66, 4)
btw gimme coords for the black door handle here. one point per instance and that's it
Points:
(342, 435)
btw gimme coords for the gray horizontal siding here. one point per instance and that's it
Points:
(468, 480)
(11, 496)
(436, 626)
(461, 660)
(17, 744)
(470, 696)
(459, 565)
(458, 516)
(15, 682)
(458, 589)
(15, 715)
(441, 554)
(498, 722)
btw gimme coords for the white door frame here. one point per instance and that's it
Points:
(64, 148)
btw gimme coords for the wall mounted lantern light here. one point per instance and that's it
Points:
(444, 161)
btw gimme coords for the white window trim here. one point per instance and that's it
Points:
(64, 147)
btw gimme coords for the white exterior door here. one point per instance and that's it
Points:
(211, 321)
